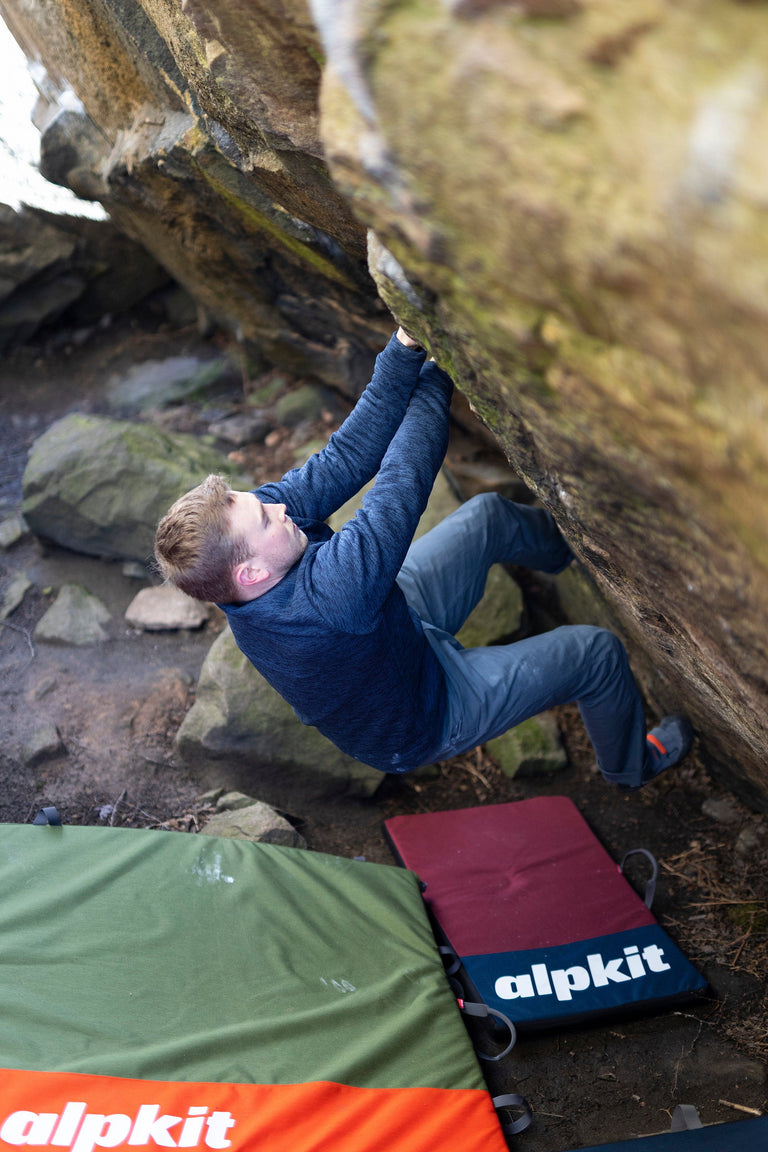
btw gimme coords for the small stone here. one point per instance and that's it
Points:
(532, 748)
(303, 453)
(209, 798)
(751, 837)
(158, 382)
(75, 617)
(250, 428)
(13, 594)
(11, 530)
(43, 744)
(305, 403)
(256, 822)
(724, 810)
(47, 684)
(165, 609)
(231, 801)
(134, 570)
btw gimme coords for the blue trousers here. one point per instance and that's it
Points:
(493, 689)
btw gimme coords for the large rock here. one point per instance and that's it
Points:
(100, 486)
(76, 617)
(568, 201)
(254, 820)
(198, 131)
(242, 733)
(55, 267)
(584, 245)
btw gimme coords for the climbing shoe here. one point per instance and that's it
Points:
(666, 744)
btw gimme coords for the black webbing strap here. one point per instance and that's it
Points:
(47, 815)
(512, 1100)
(650, 887)
(473, 1008)
(685, 1117)
(451, 961)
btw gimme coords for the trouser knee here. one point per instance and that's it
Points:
(489, 506)
(605, 651)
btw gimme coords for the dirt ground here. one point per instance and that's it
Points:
(118, 706)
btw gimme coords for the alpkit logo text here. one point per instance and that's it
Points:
(81, 1131)
(598, 973)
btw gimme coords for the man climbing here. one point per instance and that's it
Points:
(356, 629)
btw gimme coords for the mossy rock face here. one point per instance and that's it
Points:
(533, 748)
(201, 139)
(585, 249)
(567, 203)
(242, 733)
(100, 486)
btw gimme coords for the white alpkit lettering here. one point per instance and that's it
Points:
(81, 1131)
(28, 1127)
(652, 955)
(634, 961)
(218, 1123)
(101, 1131)
(568, 980)
(541, 977)
(149, 1126)
(602, 973)
(563, 982)
(69, 1123)
(510, 987)
(193, 1127)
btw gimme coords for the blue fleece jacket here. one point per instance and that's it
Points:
(335, 637)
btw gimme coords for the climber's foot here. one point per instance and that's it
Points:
(666, 744)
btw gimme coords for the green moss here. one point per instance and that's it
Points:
(253, 219)
(752, 915)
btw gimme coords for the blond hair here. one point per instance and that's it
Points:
(194, 548)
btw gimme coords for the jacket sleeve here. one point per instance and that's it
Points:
(354, 453)
(353, 573)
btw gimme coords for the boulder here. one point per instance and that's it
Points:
(165, 608)
(579, 239)
(306, 403)
(253, 821)
(197, 130)
(13, 593)
(99, 486)
(241, 428)
(44, 743)
(243, 733)
(533, 748)
(12, 529)
(76, 617)
(154, 383)
(56, 267)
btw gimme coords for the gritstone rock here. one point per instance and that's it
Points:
(12, 530)
(532, 748)
(165, 609)
(100, 486)
(44, 743)
(75, 617)
(241, 729)
(254, 821)
(154, 383)
(13, 594)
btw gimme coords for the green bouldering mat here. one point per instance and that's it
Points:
(183, 991)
